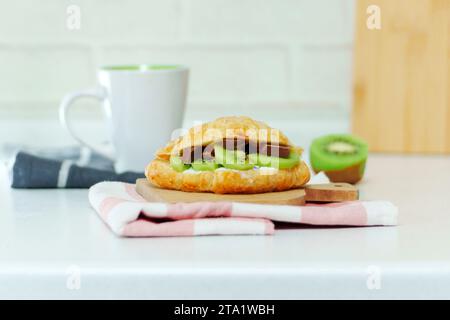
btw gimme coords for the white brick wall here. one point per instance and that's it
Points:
(42, 72)
(218, 72)
(241, 52)
(317, 21)
(323, 73)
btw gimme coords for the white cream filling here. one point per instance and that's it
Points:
(192, 171)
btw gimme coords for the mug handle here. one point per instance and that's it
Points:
(98, 93)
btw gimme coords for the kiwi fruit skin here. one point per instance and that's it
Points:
(352, 174)
(342, 157)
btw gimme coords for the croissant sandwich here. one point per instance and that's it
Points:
(229, 155)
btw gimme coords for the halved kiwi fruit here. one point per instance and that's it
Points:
(342, 157)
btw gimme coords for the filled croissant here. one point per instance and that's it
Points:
(229, 155)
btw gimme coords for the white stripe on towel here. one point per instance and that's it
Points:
(381, 213)
(229, 226)
(64, 173)
(272, 212)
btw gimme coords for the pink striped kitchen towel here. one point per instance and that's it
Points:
(129, 215)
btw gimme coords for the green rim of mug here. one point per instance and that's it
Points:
(140, 67)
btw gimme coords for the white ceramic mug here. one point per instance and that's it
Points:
(144, 104)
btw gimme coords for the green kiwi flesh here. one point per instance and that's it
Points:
(177, 164)
(204, 165)
(237, 160)
(232, 159)
(275, 162)
(337, 152)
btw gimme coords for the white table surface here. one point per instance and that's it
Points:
(48, 237)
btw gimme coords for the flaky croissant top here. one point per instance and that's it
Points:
(225, 128)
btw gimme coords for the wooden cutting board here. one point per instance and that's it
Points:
(402, 76)
(294, 197)
(332, 192)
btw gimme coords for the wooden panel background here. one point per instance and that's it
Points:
(401, 76)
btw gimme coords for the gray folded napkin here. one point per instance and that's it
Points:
(63, 168)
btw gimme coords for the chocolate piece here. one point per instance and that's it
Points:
(208, 152)
(191, 154)
(234, 144)
(276, 150)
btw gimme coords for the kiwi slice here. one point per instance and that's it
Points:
(232, 159)
(275, 162)
(239, 166)
(224, 156)
(177, 164)
(204, 165)
(341, 156)
(220, 154)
